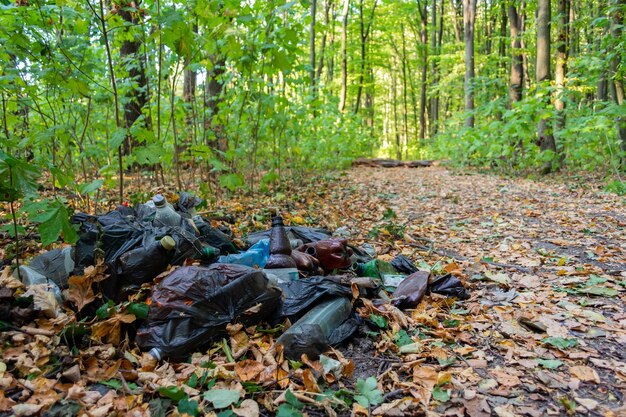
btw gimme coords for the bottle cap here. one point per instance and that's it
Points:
(168, 243)
(159, 200)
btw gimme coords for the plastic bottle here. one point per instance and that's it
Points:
(313, 329)
(374, 269)
(165, 214)
(209, 253)
(142, 264)
(29, 277)
(280, 247)
(256, 256)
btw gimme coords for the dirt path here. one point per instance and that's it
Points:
(545, 329)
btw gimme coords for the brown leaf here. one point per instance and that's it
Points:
(309, 381)
(248, 408)
(248, 370)
(585, 373)
(80, 291)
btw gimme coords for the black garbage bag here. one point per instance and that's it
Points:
(193, 305)
(301, 295)
(187, 202)
(449, 285)
(329, 322)
(120, 233)
(87, 241)
(305, 234)
(403, 264)
(56, 265)
(214, 237)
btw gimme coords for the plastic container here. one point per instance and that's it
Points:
(281, 275)
(311, 332)
(256, 256)
(374, 269)
(29, 277)
(209, 253)
(165, 214)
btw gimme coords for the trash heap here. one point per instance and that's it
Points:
(300, 274)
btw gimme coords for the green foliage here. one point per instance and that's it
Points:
(367, 392)
(291, 408)
(616, 187)
(560, 342)
(222, 398)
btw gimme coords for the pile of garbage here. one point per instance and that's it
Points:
(295, 273)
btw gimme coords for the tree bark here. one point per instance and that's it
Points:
(617, 89)
(312, 45)
(516, 80)
(136, 95)
(424, 41)
(344, 56)
(544, 132)
(561, 63)
(320, 65)
(365, 32)
(469, 17)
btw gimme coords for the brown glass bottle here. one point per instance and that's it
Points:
(280, 248)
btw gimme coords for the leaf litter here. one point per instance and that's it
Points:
(542, 334)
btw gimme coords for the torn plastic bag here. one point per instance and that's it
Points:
(256, 255)
(213, 236)
(403, 264)
(193, 305)
(411, 290)
(305, 234)
(144, 263)
(449, 285)
(56, 265)
(301, 295)
(312, 334)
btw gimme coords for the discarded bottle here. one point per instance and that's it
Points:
(256, 256)
(280, 248)
(331, 253)
(30, 277)
(209, 253)
(310, 334)
(281, 275)
(142, 264)
(165, 214)
(374, 269)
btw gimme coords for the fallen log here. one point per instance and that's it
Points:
(391, 163)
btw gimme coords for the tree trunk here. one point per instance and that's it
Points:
(395, 112)
(424, 41)
(312, 45)
(344, 55)
(320, 66)
(469, 17)
(617, 88)
(516, 80)
(544, 132)
(365, 32)
(457, 16)
(561, 63)
(502, 43)
(404, 88)
(213, 98)
(136, 95)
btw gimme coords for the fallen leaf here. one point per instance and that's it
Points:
(585, 373)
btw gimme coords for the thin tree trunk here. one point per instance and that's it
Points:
(404, 88)
(525, 65)
(320, 65)
(457, 16)
(344, 56)
(469, 17)
(544, 132)
(365, 32)
(312, 45)
(516, 81)
(617, 87)
(502, 42)
(395, 113)
(561, 63)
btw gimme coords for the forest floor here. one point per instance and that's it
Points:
(542, 334)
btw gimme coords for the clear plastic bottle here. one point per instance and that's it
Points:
(165, 214)
(29, 277)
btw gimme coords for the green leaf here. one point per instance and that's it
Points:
(560, 342)
(173, 393)
(140, 310)
(116, 384)
(103, 311)
(17, 178)
(54, 221)
(222, 398)
(441, 395)
(89, 188)
(190, 407)
(226, 413)
(292, 400)
(402, 338)
(117, 138)
(287, 410)
(549, 363)
(380, 321)
(232, 181)
(369, 394)
(597, 290)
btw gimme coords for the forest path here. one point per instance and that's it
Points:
(545, 327)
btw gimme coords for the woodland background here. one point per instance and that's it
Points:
(228, 95)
